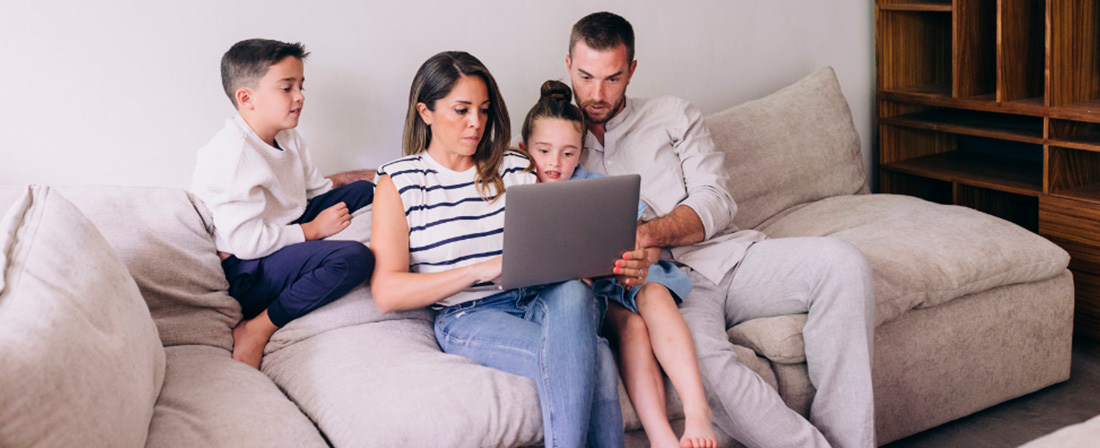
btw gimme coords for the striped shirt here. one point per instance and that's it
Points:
(450, 225)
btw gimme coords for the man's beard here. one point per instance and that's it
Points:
(611, 111)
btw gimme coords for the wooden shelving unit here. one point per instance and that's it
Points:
(995, 105)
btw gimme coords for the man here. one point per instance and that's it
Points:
(737, 275)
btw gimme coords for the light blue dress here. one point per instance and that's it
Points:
(663, 272)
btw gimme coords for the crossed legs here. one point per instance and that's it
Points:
(824, 277)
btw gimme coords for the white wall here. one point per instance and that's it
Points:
(125, 92)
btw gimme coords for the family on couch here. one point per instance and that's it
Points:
(437, 233)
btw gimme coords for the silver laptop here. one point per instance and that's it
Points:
(567, 230)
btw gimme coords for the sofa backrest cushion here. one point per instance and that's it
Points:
(795, 146)
(167, 242)
(80, 360)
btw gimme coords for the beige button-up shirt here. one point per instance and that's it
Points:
(665, 141)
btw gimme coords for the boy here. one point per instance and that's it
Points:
(271, 207)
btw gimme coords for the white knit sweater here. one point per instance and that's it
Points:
(255, 190)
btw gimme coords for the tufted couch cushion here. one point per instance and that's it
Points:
(794, 146)
(917, 263)
(924, 254)
(81, 361)
(167, 245)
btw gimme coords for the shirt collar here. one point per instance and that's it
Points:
(579, 173)
(590, 139)
(628, 108)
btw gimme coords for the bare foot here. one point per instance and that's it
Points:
(248, 348)
(249, 339)
(698, 432)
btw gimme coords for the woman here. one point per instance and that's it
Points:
(437, 232)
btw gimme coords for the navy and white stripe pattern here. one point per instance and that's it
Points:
(450, 225)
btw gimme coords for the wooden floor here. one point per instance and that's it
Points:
(1019, 421)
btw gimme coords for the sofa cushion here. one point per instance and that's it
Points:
(924, 254)
(354, 308)
(388, 383)
(169, 248)
(210, 400)
(778, 338)
(794, 146)
(81, 361)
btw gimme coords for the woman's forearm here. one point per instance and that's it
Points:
(396, 291)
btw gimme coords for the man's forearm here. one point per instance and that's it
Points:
(682, 227)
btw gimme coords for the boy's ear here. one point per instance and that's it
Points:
(522, 146)
(244, 98)
(425, 114)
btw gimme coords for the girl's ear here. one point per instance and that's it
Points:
(522, 146)
(425, 113)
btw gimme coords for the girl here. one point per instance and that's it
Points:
(645, 320)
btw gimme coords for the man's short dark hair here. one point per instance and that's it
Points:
(603, 31)
(248, 60)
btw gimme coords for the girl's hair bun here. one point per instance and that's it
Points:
(556, 91)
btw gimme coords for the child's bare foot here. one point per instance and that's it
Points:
(250, 337)
(247, 349)
(698, 432)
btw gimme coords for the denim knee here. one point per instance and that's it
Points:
(574, 296)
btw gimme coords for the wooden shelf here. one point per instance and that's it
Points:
(1084, 142)
(995, 105)
(1074, 134)
(1087, 193)
(1004, 127)
(941, 97)
(1083, 111)
(977, 170)
(927, 6)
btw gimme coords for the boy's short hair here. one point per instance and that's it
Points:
(603, 31)
(248, 60)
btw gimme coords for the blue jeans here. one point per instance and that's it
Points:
(548, 334)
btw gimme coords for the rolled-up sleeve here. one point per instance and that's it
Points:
(703, 170)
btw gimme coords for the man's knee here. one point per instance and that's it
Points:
(842, 254)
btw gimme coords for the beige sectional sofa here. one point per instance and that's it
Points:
(115, 320)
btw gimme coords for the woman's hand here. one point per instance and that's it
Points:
(487, 270)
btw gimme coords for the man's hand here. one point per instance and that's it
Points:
(328, 222)
(632, 269)
(682, 227)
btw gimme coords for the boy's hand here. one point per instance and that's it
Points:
(328, 222)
